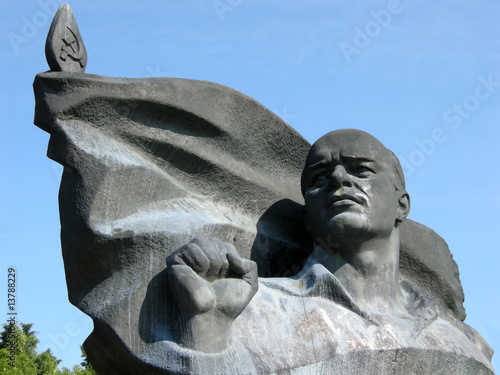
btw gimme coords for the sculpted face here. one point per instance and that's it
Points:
(351, 189)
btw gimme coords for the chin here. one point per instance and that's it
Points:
(347, 225)
(348, 221)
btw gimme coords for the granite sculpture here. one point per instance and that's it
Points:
(197, 241)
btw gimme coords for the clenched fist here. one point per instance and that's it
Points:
(212, 285)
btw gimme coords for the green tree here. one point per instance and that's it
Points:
(46, 363)
(84, 368)
(18, 349)
(18, 354)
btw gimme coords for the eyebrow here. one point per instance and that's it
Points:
(320, 164)
(357, 159)
(326, 163)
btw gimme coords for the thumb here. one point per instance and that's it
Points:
(245, 268)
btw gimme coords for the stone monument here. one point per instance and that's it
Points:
(198, 242)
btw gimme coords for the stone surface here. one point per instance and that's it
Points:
(64, 48)
(149, 165)
(198, 242)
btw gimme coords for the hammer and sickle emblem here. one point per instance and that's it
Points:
(71, 48)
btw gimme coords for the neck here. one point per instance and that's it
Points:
(368, 271)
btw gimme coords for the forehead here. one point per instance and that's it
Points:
(348, 143)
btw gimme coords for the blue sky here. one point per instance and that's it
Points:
(422, 76)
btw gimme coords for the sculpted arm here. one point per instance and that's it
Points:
(212, 285)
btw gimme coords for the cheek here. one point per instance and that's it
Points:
(383, 200)
(316, 201)
(314, 211)
(311, 198)
(378, 188)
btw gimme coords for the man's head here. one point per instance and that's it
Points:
(353, 188)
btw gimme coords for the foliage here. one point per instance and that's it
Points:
(18, 354)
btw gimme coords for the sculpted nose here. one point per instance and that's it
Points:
(340, 177)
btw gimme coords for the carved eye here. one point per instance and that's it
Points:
(360, 170)
(321, 179)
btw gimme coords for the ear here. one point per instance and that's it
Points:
(404, 207)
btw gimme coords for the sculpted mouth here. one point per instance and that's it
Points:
(343, 200)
